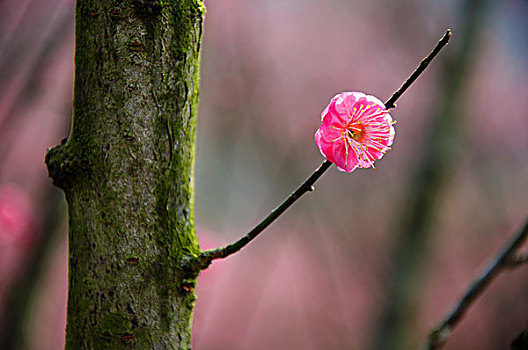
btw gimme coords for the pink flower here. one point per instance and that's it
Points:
(356, 130)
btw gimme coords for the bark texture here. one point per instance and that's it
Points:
(127, 171)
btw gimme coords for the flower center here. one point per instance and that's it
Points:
(354, 131)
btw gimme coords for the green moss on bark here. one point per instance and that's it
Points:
(127, 171)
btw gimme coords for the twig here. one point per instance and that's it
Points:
(506, 259)
(223, 252)
(421, 67)
(205, 258)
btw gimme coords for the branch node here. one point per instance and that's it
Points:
(515, 261)
(192, 265)
(64, 163)
(438, 337)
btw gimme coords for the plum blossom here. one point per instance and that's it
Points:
(355, 130)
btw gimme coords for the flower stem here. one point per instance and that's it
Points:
(202, 261)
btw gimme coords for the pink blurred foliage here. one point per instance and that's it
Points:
(499, 109)
(282, 295)
(18, 232)
(16, 215)
(48, 323)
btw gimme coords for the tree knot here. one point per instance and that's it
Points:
(63, 165)
(192, 265)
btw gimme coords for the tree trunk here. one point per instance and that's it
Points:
(127, 171)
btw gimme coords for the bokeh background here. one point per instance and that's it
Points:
(370, 260)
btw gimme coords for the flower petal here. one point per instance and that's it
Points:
(346, 102)
(326, 148)
(331, 117)
(345, 157)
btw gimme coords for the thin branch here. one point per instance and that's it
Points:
(203, 260)
(419, 70)
(223, 252)
(505, 260)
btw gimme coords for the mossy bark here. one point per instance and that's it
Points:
(127, 171)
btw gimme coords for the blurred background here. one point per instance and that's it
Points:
(370, 260)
